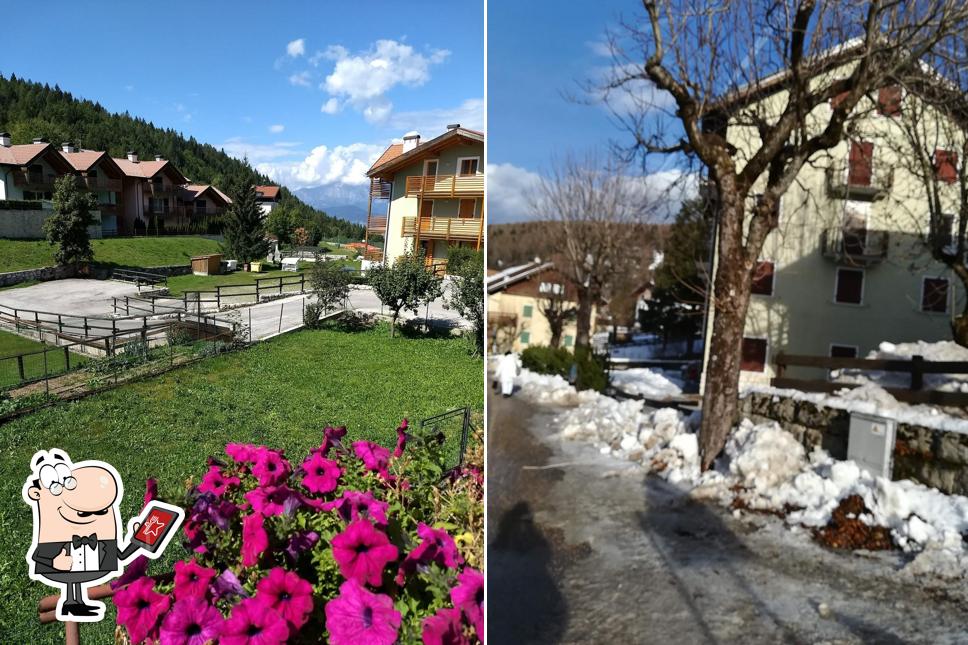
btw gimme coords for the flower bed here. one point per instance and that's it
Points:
(353, 544)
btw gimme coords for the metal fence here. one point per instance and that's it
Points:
(240, 294)
(139, 278)
(443, 427)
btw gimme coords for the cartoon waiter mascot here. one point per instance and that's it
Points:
(75, 546)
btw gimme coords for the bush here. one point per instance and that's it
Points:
(460, 256)
(591, 371)
(312, 315)
(19, 205)
(550, 360)
(349, 542)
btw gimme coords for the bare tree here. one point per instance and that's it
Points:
(743, 87)
(593, 208)
(557, 310)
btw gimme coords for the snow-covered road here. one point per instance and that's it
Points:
(586, 548)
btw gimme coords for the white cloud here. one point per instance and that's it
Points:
(277, 128)
(296, 48)
(331, 106)
(634, 97)
(301, 79)
(508, 192)
(430, 123)
(325, 165)
(364, 78)
(257, 152)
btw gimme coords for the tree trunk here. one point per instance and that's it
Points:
(583, 323)
(556, 334)
(732, 295)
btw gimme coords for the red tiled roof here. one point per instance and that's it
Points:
(82, 160)
(21, 155)
(268, 192)
(191, 192)
(395, 152)
(142, 169)
(392, 152)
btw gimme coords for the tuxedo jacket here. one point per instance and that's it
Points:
(45, 553)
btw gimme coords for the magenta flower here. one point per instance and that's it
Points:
(401, 439)
(444, 628)
(436, 546)
(359, 617)
(362, 552)
(299, 543)
(253, 623)
(191, 579)
(321, 474)
(375, 457)
(288, 594)
(270, 467)
(272, 500)
(243, 453)
(254, 539)
(137, 569)
(140, 608)
(216, 483)
(331, 437)
(468, 596)
(354, 505)
(227, 584)
(192, 621)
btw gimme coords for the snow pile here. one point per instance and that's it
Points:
(940, 351)
(640, 381)
(765, 468)
(550, 388)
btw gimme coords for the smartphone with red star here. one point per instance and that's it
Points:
(157, 523)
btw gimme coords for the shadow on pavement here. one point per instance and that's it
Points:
(525, 604)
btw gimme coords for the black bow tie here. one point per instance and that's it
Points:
(79, 540)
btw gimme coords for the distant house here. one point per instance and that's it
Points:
(434, 192)
(268, 198)
(197, 200)
(100, 174)
(28, 171)
(515, 297)
(151, 190)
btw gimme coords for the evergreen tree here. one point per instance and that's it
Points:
(67, 227)
(244, 232)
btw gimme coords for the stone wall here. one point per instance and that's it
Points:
(98, 272)
(932, 457)
(29, 224)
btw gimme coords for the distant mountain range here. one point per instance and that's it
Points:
(338, 200)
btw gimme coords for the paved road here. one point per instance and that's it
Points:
(584, 549)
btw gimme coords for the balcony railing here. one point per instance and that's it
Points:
(373, 255)
(376, 224)
(445, 185)
(184, 211)
(380, 189)
(859, 247)
(33, 180)
(158, 189)
(100, 184)
(840, 186)
(444, 228)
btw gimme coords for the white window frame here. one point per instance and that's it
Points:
(766, 354)
(772, 293)
(947, 296)
(863, 286)
(427, 162)
(462, 159)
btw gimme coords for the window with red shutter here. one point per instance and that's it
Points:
(850, 286)
(763, 279)
(934, 295)
(861, 163)
(753, 355)
(946, 165)
(889, 100)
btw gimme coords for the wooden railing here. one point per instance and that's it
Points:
(100, 183)
(35, 180)
(380, 189)
(373, 255)
(444, 228)
(158, 189)
(445, 185)
(376, 224)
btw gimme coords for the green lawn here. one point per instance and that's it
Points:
(281, 393)
(16, 255)
(33, 365)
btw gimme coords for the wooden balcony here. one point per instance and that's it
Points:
(376, 225)
(373, 255)
(100, 184)
(380, 189)
(444, 228)
(33, 180)
(444, 186)
(153, 189)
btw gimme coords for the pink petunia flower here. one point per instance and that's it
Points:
(243, 453)
(192, 621)
(331, 437)
(288, 594)
(468, 596)
(362, 552)
(270, 467)
(401, 439)
(354, 505)
(140, 608)
(436, 546)
(375, 457)
(216, 482)
(321, 474)
(255, 540)
(254, 623)
(359, 617)
(272, 500)
(444, 628)
(192, 579)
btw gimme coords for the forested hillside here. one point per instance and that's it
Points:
(29, 110)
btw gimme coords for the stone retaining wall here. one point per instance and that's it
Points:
(98, 272)
(932, 457)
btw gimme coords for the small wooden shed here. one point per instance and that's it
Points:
(207, 264)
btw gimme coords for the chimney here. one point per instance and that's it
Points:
(39, 140)
(158, 157)
(453, 126)
(411, 140)
(67, 146)
(132, 156)
(5, 139)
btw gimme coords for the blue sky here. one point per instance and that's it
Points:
(311, 91)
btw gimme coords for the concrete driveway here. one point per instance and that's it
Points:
(75, 297)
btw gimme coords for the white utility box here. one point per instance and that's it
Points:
(871, 443)
(231, 265)
(290, 264)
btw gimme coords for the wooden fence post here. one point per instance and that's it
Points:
(917, 372)
(67, 359)
(20, 367)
